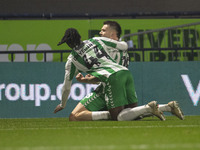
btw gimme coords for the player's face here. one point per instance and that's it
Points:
(106, 31)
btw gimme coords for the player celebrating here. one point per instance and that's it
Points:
(90, 56)
(90, 107)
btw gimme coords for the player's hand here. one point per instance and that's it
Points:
(87, 79)
(88, 76)
(79, 77)
(58, 108)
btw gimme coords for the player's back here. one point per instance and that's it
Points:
(117, 53)
(90, 57)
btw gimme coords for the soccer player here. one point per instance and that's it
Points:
(91, 57)
(90, 107)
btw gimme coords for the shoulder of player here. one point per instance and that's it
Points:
(110, 40)
(103, 38)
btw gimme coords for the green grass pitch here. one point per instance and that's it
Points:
(60, 134)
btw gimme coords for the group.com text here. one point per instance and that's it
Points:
(41, 92)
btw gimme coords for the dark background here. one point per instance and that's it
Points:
(99, 8)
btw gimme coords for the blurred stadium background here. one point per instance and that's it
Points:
(164, 49)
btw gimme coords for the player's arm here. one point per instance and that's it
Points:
(121, 45)
(87, 79)
(70, 71)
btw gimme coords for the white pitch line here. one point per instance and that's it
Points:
(112, 147)
(106, 127)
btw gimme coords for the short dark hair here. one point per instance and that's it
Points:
(114, 25)
(71, 37)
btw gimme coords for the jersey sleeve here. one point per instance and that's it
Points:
(121, 45)
(70, 72)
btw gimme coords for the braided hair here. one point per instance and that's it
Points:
(71, 37)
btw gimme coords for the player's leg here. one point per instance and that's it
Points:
(130, 92)
(90, 108)
(133, 113)
(172, 107)
(129, 114)
(114, 112)
(115, 93)
(80, 113)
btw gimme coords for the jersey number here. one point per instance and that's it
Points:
(90, 61)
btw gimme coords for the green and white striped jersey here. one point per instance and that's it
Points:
(92, 57)
(97, 57)
(117, 50)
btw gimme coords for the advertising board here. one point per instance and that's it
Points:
(33, 90)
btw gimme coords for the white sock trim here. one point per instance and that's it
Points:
(100, 115)
(164, 108)
(129, 114)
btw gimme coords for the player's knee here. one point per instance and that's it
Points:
(73, 117)
(123, 115)
(120, 117)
